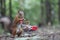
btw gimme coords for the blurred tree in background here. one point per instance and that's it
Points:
(35, 10)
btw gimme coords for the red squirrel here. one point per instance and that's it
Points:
(18, 19)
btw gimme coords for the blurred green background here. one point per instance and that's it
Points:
(35, 10)
(30, 7)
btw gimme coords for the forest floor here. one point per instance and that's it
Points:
(45, 33)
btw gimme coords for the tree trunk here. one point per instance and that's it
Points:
(42, 10)
(59, 11)
(0, 8)
(10, 9)
(48, 12)
(3, 7)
